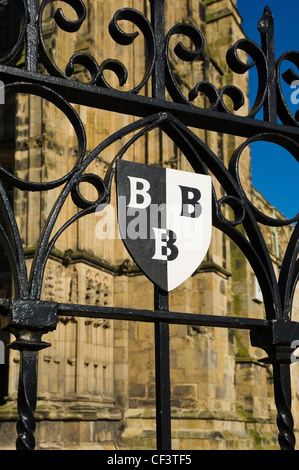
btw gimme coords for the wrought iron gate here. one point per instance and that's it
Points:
(26, 316)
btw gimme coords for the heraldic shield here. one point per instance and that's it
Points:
(165, 220)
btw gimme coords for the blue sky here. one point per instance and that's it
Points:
(275, 171)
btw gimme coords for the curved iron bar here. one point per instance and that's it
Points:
(187, 142)
(254, 248)
(278, 296)
(283, 141)
(257, 254)
(11, 239)
(23, 13)
(104, 197)
(65, 24)
(73, 117)
(294, 279)
(288, 276)
(201, 158)
(89, 62)
(259, 60)
(18, 278)
(289, 77)
(215, 97)
(43, 249)
(258, 257)
(119, 36)
(193, 33)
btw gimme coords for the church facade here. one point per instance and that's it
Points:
(96, 382)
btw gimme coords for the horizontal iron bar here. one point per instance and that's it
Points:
(142, 106)
(114, 313)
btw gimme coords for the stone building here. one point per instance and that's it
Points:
(96, 386)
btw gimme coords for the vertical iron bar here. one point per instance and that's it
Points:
(158, 25)
(163, 409)
(266, 28)
(163, 413)
(27, 401)
(283, 400)
(32, 37)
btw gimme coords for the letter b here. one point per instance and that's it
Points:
(139, 188)
(165, 248)
(190, 198)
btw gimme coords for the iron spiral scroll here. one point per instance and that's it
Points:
(285, 420)
(27, 403)
(27, 316)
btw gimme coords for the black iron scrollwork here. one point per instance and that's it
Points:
(97, 72)
(215, 97)
(23, 17)
(289, 77)
(173, 118)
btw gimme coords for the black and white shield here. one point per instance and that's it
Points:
(165, 220)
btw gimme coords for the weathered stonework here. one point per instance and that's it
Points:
(96, 385)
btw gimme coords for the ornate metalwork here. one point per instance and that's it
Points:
(26, 316)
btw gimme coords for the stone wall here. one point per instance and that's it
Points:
(97, 381)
